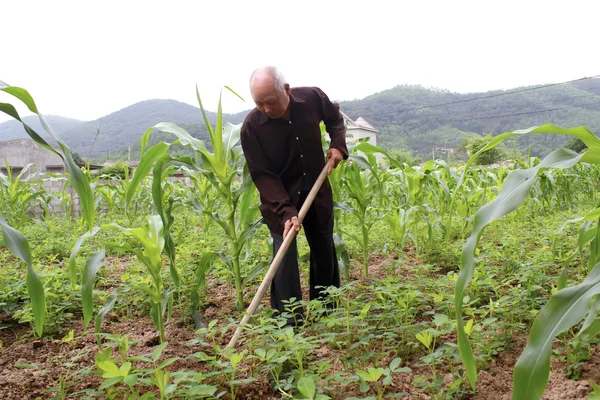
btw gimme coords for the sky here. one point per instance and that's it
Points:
(86, 59)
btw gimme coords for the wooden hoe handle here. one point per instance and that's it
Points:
(279, 256)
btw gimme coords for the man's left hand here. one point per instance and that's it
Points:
(335, 156)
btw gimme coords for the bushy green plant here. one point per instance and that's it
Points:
(491, 156)
(405, 156)
(119, 169)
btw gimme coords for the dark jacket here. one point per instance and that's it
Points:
(286, 157)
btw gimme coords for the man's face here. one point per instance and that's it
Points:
(269, 100)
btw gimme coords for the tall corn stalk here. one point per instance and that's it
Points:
(80, 181)
(225, 170)
(566, 307)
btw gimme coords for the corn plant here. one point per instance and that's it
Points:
(225, 170)
(419, 193)
(79, 179)
(363, 188)
(151, 237)
(399, 220)
(19, 193)
(203, 198)
(339, 199)
(567, 306)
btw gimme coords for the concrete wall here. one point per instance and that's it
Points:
(21, 152)
(355, 134)
(359, 133)
(60, 206)
(68, 200)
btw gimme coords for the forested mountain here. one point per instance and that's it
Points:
(420, 118)
(409, 117)
(115, 132)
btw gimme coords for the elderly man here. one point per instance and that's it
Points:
(281, 139)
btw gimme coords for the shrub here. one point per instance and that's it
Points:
(117, 170)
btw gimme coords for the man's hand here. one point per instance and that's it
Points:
(289, 224)
(335, 156)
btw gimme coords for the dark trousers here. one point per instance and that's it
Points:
(324, 270)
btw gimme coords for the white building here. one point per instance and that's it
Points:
(359, 129)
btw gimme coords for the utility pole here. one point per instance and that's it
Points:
(128, 153)
(92, 148)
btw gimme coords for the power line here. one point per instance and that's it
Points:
(514, 114)
(480, 97)
(532, 112)
(440, 115)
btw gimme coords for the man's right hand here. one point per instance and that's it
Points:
(289, 224)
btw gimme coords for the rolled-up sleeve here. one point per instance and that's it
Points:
(275, 202)
(334, 122)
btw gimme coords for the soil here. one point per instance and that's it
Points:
(30, 367)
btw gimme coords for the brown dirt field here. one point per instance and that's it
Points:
(49, 355)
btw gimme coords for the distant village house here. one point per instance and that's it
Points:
(359, 129)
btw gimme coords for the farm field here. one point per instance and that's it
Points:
(444, 271)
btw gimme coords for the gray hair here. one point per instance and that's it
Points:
(274, 73)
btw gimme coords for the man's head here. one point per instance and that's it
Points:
(270, 91)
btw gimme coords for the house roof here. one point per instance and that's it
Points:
(360, 123)
(364, 124)
(347, 120)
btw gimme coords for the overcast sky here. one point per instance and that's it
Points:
(84, 59)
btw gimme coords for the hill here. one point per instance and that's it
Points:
(124, 128)
(421, 118)
(13, 129)
(408, 117)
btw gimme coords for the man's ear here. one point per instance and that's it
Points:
(287, 89)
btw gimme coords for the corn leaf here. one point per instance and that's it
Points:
(92, 265)
(79, 180)
(231, 137)
(19, 246)
(144, 167)
(200, 286)
(566, 308)
(144, 141)
(580, 132)
(513, 193)
(183, 136)
(217, 138)
(109, 304)
(166, 216)
(75, 251)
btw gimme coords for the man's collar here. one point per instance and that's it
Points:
(263, 118)
(294, 98)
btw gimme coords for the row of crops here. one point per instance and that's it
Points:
(180, 236)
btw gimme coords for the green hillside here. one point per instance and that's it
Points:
(125, 127)
(420, 119)
(407, 117)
